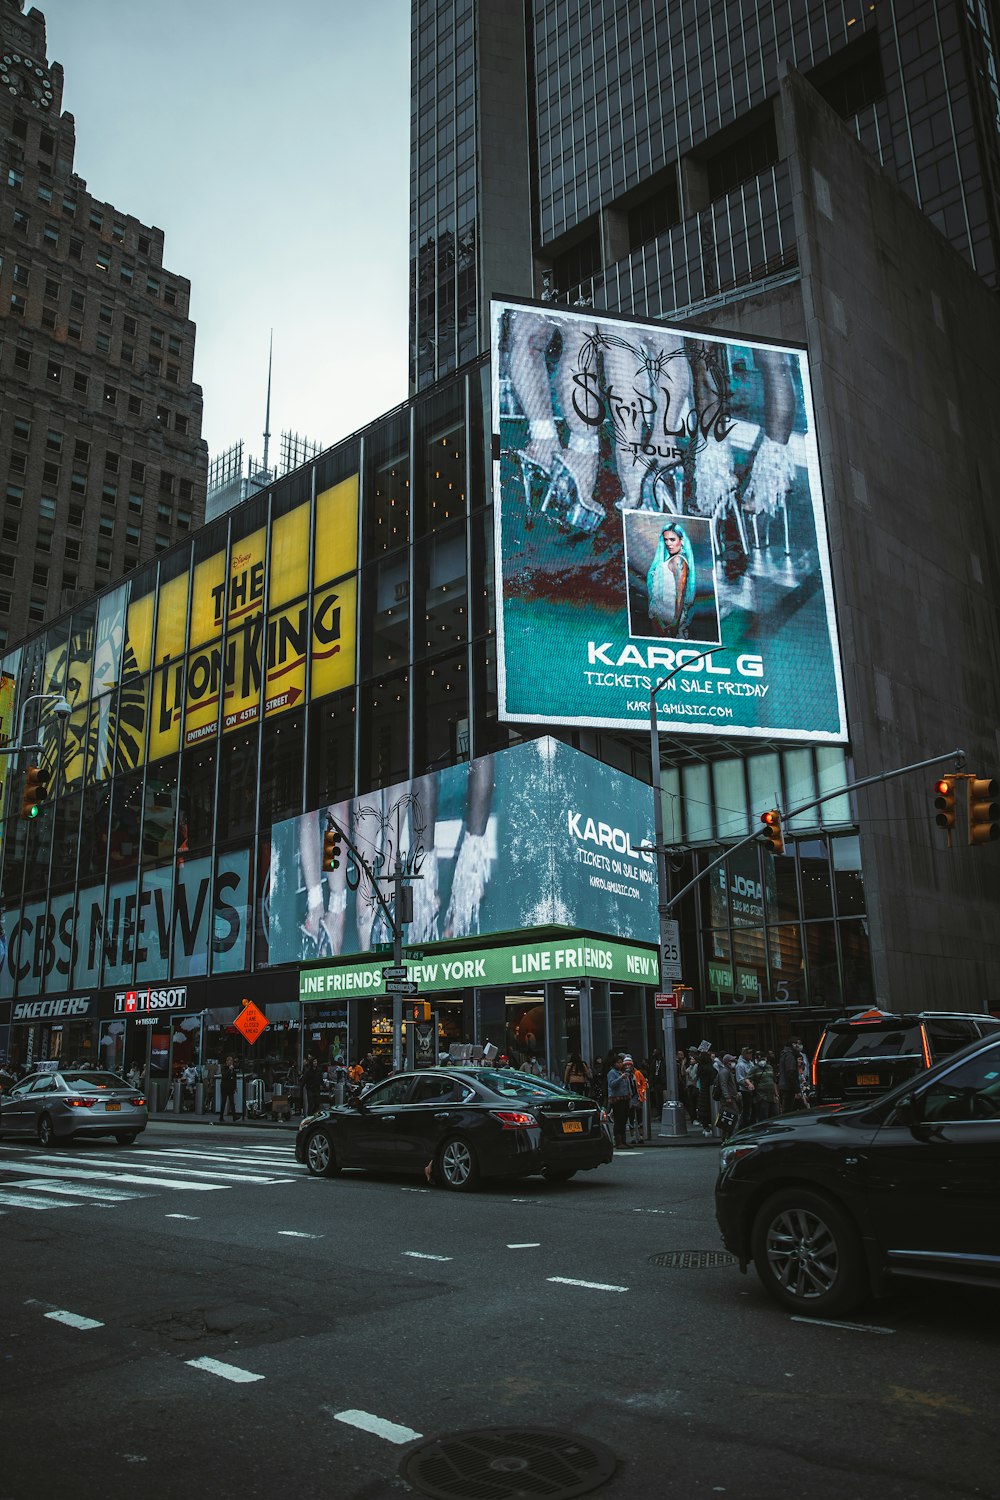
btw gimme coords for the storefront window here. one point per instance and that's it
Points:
(159, 809)
(118, 937)
(787, 971)
(525, 1015)
(824, 975)
(197, 798)
(232, 909)
(817, 897)
(152, 954)
(847, 877)
(855, 949)
(564, 1027)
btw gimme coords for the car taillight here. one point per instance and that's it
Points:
(137, 1100)
(513, 1119)
(81, 1103)
(604, 1117)
(819, 1045)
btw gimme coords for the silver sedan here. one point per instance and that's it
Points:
(56, 1106)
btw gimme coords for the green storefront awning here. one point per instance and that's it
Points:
(486, 968)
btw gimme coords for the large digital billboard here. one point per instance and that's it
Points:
(657, 504)
(532, 837)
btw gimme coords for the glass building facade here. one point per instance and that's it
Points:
(329, 637)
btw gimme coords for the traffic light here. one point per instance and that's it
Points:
(772, 827)
(944, 802)
(420, 1010)
(984, 810)
(36, 789)
(332, 841)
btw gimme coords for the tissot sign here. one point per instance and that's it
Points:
(146, 1002)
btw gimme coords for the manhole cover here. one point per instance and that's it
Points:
(693, 1260)
(508, 1463)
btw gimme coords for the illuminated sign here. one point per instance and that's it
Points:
(657, 494)
(144, 1002)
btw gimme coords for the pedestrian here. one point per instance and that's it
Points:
(227, 1089)
(619, 1097)
(657, 1083)
(705, 1067)
(638, 1089)
(728, 1097)
(745, 1085)
(598, 1080)
(688, 1080)
(312, 1080)
(576, 1074)
(788, 1074)
(765, 1088)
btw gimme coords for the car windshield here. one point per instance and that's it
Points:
(517, 1085)
(95, 1081)
(871, 1041)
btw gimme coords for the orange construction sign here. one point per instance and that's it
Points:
(251, 1021)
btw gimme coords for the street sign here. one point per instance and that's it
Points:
(669, 1001)
(402, 972)
(251, 1021)
(670, 950)
(401, 987)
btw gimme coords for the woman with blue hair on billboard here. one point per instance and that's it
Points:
(670, 582)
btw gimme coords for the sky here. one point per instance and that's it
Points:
(269, 140)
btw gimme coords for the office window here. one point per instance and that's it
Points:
(19, 129)
(106, 526)
(170, 295)
(74, 330)
(22, 359)
(180, 424)
(70, 580)
(76, 515)
(53, 440)
(161, 541)
(11, 529)
(80, 382)
(21, 220)
(43, 541)
(132, 535)
(36, 611)
(154, 364)
(167, 481)
(152, 286)
(18, 463)
(6, 565)
(135, 406)
(110, 395)
(128, 354)
(44, 193)
(72, 549)
(54, 371)
(5, 602)
(138, 471)
(164, 513)
(102, 260)
(103, 561)
(174, 344)
(156, 337)
(184, 520)
(118, 233)
(135, 503)
(46, 143)
(96, 220)
(78, 484)
(81, 450)
(130, 326)
(22, 274)
(105, 313)
(47, 508)
(76, 249)
(69, 205)
(22, 428)
(18, 305)
(112, 461)
(15, 179)
(186, 489)
(144, 244)
(77, 300)
(172, 374)
(50, 235)
(52, 290)
(48, 317)
(14, 495)
(163, 415)
(103, 344)
(109, 494)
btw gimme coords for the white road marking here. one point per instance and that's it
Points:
(391, 1431)
(529, 1245)
(650, 1210)
(73, 1320)
(166, 1166)
(166, 1182)
(227, 1372)
(594, 1286)
(110, 1195)
(419, 1255)
(415, 1190)
(14, 1200)
(194, 1218)
(299, 1234)
(854, 1327)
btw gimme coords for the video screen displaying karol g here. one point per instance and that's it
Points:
(656, 494)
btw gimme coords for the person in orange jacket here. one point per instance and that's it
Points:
(638, 1089)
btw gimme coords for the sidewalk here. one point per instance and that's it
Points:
(188, 1117)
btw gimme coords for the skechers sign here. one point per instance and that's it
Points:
(70, 1009)
(144, 1002)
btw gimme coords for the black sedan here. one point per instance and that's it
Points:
(461, 1124)
(831, 1205)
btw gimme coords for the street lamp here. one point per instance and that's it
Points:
(61, 707)
(672, 1121)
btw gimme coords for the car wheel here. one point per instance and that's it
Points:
(46, 1131)
(126, 1137)
(457, 1168)
(321, 1158)
(808, 1254)
(551, 1176)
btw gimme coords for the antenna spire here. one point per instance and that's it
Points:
(267, 414)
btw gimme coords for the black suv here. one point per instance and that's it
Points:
(862, 1056)
(831, 1204)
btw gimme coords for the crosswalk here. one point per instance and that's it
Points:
(35, 1181)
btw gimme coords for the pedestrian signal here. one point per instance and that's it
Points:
(944, 802)
(420, 1010)
(984, 810)
(772, 828)
(36, 789)
(332, 841)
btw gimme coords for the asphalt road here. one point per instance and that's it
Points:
(342, 1320)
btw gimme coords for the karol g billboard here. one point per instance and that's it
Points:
(656, 495)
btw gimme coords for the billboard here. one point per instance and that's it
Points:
(657, 505)
(535, 836)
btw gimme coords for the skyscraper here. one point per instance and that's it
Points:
(628, 153)
(101, 456)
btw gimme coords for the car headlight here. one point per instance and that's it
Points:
(730, 1155)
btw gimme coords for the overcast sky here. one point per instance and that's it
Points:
(269, 140)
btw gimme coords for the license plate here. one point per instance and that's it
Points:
(572, 1127)
(112, 1106)
(867, 1080)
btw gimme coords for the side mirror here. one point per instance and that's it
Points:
(908, 1112)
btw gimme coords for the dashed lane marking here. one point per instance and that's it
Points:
(224, 1371)
(299, 1234)
(73, 1320)
(392, 1432)
(419, 1255)
(194, 1218)
(528, 1245)
(593, 1286)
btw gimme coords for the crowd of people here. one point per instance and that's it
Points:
(727, 1092)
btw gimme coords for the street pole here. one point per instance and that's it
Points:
(673, 1119)
(397, 959)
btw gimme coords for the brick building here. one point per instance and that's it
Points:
(101, 458)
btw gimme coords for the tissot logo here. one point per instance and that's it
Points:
(142, 1002)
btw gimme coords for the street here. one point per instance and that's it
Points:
(197, 1315)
